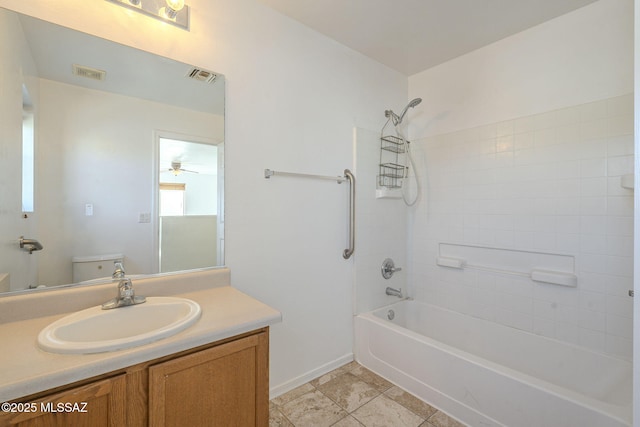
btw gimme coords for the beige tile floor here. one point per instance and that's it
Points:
(353, 396)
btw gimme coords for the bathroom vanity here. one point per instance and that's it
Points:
(214, 373)
(225, 383)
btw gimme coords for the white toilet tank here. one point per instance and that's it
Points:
(94, 267)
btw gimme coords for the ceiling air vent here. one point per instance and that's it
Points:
(202, 75)
(88, 72)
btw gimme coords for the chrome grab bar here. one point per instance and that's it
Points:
(268, 173)
(352, 214)
(348, 176)
(30, 245)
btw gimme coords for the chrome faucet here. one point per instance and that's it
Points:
(126, 296)
(394, 292)
(118, 272)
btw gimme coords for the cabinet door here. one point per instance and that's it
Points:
(102, 403)
(222, 386)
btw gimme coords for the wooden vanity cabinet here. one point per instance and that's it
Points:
(225, 383)
(221, 386)
(101, 403)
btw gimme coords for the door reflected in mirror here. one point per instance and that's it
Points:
(188, 209)
(97, 110)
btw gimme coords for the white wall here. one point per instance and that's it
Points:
(91, 152)
(576, 58)
(201, 192)
(293, 98)
(524, 143)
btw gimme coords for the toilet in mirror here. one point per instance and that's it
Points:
(111, 159)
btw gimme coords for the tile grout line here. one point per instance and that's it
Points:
(355, 365)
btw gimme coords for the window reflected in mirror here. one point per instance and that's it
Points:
(28, 153)
(172, 199)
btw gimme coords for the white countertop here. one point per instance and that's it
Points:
(26, 369)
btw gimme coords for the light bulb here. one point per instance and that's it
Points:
(175, 5)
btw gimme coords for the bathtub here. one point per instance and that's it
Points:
(486, 374)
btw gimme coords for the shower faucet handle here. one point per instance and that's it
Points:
(388, 268)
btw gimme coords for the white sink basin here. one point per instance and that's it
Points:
(95, 330)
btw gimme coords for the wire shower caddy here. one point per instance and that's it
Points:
(392, 167)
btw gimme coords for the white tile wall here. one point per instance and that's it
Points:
(548, 183)
(381, 229)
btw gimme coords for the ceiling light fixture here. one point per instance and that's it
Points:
(173, 12)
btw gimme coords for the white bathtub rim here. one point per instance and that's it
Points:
(616, 411)
(621, 413)
(457, 313)
(459, 404)
(455, 349)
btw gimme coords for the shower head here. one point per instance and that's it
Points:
(415, 102)
(398, 119)
(411, 104)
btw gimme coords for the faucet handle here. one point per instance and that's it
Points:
(125, 289)
(388, 268)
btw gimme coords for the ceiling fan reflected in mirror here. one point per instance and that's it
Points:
(176, 169)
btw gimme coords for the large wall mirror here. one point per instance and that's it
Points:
(107, 154)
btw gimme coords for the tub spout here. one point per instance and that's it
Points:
(394, 292)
